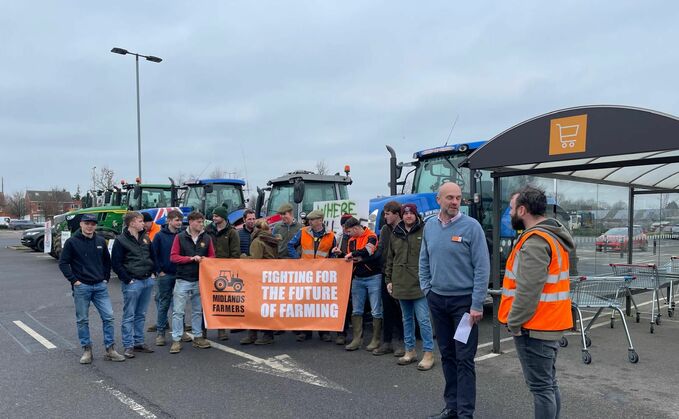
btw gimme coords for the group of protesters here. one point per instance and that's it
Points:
(432, 272)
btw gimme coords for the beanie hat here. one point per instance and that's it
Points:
(147, 217)
(408, 208)
(344, 218)
(221, 211)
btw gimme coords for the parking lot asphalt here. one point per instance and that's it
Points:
(312, 379)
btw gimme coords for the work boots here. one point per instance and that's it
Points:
(87, 355)
(250, 338)
(357, 331)
(265, 339)
(112, 355)
(377, 335)
(385, 348)
(222, 334)
(427, 362)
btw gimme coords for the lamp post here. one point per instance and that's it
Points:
(151, 58)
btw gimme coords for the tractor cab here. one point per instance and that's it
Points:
(302, 189)
(205, 195)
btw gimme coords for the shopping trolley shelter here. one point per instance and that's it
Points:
(634, 153)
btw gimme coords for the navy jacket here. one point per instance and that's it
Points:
(162, 245)
(85, 260)
(245, 240)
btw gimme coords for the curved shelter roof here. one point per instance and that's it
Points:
(606, 144)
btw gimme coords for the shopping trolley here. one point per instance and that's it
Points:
(568, 134)
(600, 293)
(646, 278)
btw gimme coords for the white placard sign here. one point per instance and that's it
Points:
(65, 235)
(47, 241)
(333, 211)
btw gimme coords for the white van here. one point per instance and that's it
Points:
(4, 222)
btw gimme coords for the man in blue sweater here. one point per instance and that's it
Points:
(454, 270)
(86, 263)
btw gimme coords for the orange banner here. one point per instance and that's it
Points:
(275, 294)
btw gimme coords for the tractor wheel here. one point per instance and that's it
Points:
(220, 284)
(237, 286)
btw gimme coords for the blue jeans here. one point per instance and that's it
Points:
(165, 286)
(538, 361)
(457, 359)
(183, 290)
(136, 298)
(420, 309)
(368, 287)
(97, 294)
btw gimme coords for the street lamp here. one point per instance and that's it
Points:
(151, 58)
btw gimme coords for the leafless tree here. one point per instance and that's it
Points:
(104, 179)
(54, 202)
(16, 205)
(3, 201)
(321, 167)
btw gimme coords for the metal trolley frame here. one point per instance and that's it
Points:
(646, 278)
(600, 293)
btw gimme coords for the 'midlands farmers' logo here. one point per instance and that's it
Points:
(224, 302)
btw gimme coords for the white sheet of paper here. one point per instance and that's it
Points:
(464, 328)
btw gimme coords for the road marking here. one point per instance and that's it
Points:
(35, 335)
(281, 366)
(127, 401)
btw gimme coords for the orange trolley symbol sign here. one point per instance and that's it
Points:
(568, 135)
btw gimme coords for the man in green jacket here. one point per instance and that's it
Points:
(226, 241)
(401, 276)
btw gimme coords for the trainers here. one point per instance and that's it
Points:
(176, 347)
(112, 355)
(201, 343)
(266, 339)
(186, 337)
(129, 353)
(160, 340)
(222, 335)
(143, 348)
(87, 355)
(152, 328)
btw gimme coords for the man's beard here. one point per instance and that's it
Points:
(517, 223)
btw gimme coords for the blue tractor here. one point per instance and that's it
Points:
(205, 195)
(434, 166)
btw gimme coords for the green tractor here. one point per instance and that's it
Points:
(110, 207)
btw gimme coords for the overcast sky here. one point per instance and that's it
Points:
(268, 87)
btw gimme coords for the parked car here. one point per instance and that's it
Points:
(34, 238)
(671, 231)
(23, 224)
(615, 239)
(4, 222)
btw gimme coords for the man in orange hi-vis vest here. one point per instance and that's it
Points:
(535, 304)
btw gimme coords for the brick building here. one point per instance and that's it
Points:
(47, 204)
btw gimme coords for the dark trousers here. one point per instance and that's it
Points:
(393, 319)
(538, 361)
(457, 358)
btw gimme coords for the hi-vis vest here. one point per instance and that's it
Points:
(553, 312)
(313, 247)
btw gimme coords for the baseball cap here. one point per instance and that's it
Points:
(88, 217)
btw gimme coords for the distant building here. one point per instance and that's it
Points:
(42, 205)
